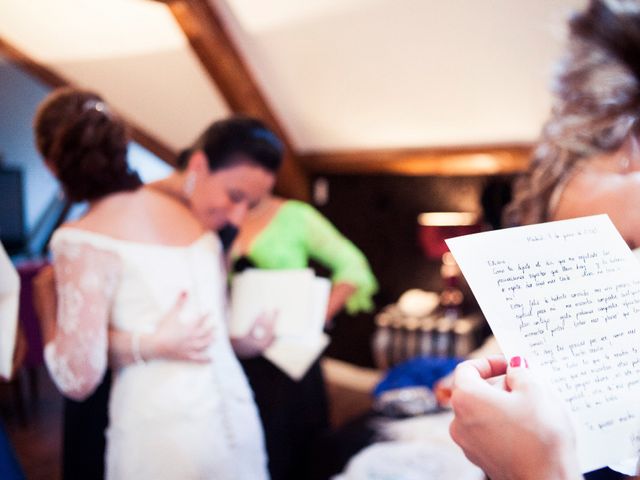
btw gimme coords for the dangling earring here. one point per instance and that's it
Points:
(624, 163)
(189, 184)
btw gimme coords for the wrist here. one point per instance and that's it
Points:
(151, 346)
(564, 467)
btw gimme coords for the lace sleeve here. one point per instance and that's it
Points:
(86, 281)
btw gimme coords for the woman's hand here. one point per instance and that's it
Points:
(509, 425)
(172, 340)
(443, 389)
(340, 293)
(177, 340)
(259, 338)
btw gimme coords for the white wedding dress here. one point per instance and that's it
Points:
(167, 419)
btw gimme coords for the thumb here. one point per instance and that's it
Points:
(519, 377)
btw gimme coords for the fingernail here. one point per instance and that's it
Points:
(183, 294)
(526, 364)
(515, 362)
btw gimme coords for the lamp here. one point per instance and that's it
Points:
(435, 227)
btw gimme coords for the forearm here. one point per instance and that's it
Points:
(561, 466)
(46, 311)
(340, 293)
(125, 348)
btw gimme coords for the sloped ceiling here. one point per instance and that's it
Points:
(345, 74)
(339, 74)
(132, 51)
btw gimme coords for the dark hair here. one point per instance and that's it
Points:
(237, 135)
(86, 144)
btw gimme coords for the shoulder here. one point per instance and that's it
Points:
(78, 253)
(142, 216)
(299, 208)
(601, 191)
(591, 193)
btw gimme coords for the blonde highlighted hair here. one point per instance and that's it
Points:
(596, 103)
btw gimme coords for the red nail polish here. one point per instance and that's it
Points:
(515, 362)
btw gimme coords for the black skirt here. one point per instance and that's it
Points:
(84, 425)
(294, 416)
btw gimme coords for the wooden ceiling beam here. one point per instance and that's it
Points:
(54, 80)
(206, 31)
(480, 160)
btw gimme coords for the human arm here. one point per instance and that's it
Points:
(509, 424)
(172, 340)
(339, 296)
(592, 192)
(353, 282)
(75, 321)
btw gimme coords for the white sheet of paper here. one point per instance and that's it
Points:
(295, 356)
(566, 295)
(301, 300)
(9, 302)
(256, 291)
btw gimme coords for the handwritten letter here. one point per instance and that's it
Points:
(567, 296)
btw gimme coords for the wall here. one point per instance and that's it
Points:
(19, 97)
(379, 214)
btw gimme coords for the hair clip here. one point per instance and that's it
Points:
(269, 136)
(97, 105)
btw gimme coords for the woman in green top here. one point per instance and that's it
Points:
(287, 234)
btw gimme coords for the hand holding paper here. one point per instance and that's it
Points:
(566, 295)
(300, 299)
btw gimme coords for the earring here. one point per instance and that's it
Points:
(624, 163)
(189, 184)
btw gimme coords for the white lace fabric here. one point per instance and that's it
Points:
(168, 420)
(86, 279)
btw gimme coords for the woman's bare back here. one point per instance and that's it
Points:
(142, 216)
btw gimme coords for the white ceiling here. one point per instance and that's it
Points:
(340, 74)
(132, 51)
(346, 74)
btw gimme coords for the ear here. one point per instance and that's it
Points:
(198, 163)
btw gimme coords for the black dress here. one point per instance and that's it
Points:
(293, 413)
(84, 425)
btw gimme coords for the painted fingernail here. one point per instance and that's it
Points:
(515, 362)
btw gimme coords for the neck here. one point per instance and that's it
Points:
(265, 206)
(172, 185)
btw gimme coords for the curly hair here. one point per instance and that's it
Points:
(85, 144)
(596, 104)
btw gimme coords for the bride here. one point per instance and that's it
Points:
(122, 265)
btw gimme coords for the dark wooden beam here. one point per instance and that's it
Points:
(480, 160)
(210, 40)
(54, 80)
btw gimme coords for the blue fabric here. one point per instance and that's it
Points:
(420, 371)
(9, 466)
